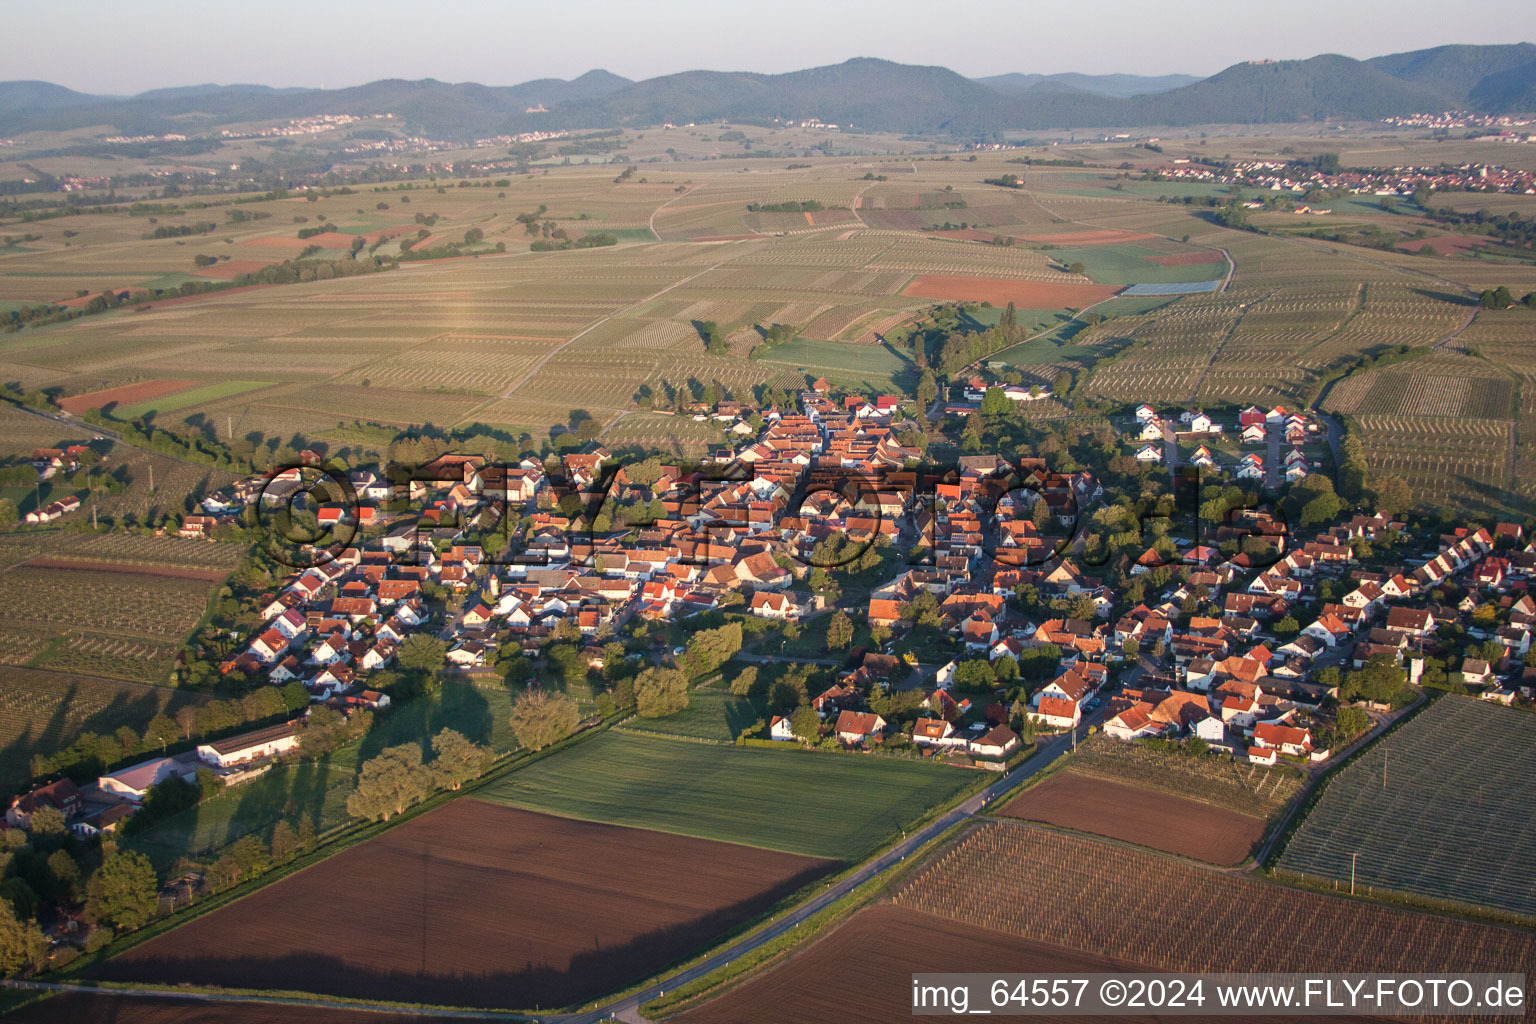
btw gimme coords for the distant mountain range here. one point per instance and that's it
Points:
(865, 92)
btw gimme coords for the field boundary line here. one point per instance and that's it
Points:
(214, 995)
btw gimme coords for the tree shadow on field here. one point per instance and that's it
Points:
(458, 968)
(1454, 298)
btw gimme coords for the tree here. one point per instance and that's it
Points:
(389, 783)
(745, 682)
(1393, 494)
(710, 648)
(1040, 514)
(927, 389)
(47, 823)
(805, 723)
(660, 692)
(1496, 298)
(122, 891)
(1352, 721)
(1321, 509)
(458, 760)
(995, 402)
(63, 885)
(1287, 626)
(285, 845)
(422, 652)
(923, 609)
(839, 631)
(1197, 746)
(8, 515)
(1381, 679)
(160, 733)
(1076, 268)
(974, 674)
(22, 943)
(540, 718)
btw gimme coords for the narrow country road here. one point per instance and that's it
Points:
(627, 1008)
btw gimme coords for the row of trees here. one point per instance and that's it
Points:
(399, 777)
(92, 752)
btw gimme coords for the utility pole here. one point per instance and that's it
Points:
(1386, 759)
(1352, 858)
(229, 428)
(151, 477)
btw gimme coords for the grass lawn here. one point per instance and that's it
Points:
(190, 397)
(318, 789)
(711, 715)
(839, 806)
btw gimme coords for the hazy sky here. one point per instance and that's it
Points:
(107, 47)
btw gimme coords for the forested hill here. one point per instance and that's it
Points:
(864, 92)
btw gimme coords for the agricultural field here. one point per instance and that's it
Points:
(139, 1010)
(710, 715)
(1139, 815)
(588, 908)
(517, 340)
(125, 620)
(1221, 782)
(45, 711)
(741, 795)
(1407, 818)
(1047, 886)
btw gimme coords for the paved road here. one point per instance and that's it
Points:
(627, 1009)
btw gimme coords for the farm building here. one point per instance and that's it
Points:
(134, 782)
(251, 746)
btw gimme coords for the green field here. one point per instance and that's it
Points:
(836, 360)
(190, 397)
(817, 804)
(710, 715)
(1132, 264)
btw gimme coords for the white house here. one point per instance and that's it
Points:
(779, 728)
(1149, 454)
(998, 742)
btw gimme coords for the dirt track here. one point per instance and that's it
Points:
(1140, 816)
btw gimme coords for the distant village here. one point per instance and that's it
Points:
(1300, 178)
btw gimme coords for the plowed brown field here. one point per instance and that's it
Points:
(479, 905)
(81, 1008)
(1137, 815)
(861, 973)
(128, 394)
